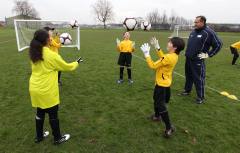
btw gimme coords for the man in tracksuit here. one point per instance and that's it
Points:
(198, 49)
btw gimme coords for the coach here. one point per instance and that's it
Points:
(202, 43)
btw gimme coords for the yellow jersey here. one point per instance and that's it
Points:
(43, 83)
(126, 46)
(164, 68)
(236, 45)
(55, 44)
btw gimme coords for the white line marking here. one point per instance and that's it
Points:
(2, 42)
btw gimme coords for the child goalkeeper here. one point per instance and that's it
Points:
(125, 47)
(54, 45)
(164, 69)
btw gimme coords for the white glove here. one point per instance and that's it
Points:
(155, 43)
(133, 44)
(117, 41)
(203, 55)
(145, 49)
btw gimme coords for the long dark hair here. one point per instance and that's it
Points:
(39, 40)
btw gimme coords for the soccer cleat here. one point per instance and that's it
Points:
(184, 93)
(168, 133)
(45, 134)
(199, 100)
(154, 118)
(130, 81)
(64, 138)
(120, 81)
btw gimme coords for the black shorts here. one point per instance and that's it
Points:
(125, 59)
(161, 94)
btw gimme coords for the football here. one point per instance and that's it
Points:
(74, 23)
(130, 24)
(65, 39)
(145, 25)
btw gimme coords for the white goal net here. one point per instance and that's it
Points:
(182, 31)
(25, 29)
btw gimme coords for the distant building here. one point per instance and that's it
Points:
(10, 20)
(2, 23)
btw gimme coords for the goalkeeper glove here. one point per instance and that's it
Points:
(117, 41)
(203, 55)
(133, 44)
(145, 49)
(155, 43)
(79, 60)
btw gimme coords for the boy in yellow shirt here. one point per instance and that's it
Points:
(125, 47)
(234, 50)
(164, 68)
(54, 46)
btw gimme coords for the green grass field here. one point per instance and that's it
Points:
(102, 116)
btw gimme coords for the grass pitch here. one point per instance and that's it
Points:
(102, 116)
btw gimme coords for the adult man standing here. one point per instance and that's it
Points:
(201, 39)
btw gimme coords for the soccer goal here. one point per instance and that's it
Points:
(182, 31)
(25, 29)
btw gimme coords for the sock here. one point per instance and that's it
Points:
(166, 120)
(121, 72)
(129, 71)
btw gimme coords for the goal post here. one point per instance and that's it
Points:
(25, 29)
(182, 31)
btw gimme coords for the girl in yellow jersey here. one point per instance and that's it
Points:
(125, 47)
(164, 68)
(43, 84)
(54, 46)
(234, 50)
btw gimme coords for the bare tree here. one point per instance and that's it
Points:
(164, 18)
(104, 11)
(24, 8)
(154, 17)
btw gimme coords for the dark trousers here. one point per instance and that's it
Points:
(59, 76)
(53, 120)
(195, 74)
(161, 97)
(235, 55)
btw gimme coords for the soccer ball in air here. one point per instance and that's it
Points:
(74, 24)
(145, 25)
(65, 39)
(130, 24)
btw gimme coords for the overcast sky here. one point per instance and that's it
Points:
(216, 11)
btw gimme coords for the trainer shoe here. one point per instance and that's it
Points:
(130, 81)
(120, 81)
(168, 133)
(199, 100)
(45, 134)
(64, 138)
(184, 93)
(154, 118)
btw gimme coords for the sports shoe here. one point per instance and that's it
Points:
(199, 100)
(120, 81)
(168, 133)
(130, 81)
(45, 134)
(184, 93)
(64, 138)
(154, 118)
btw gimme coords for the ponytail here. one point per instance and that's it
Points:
(39, 40)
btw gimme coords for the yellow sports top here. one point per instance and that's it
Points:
(126, 46)
(236, 45)
(164, 68)
(55, 44)
(43, 83)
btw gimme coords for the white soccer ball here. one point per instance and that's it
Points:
(145, 25)
(74, 24)
(130, 24)
(65, 39)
